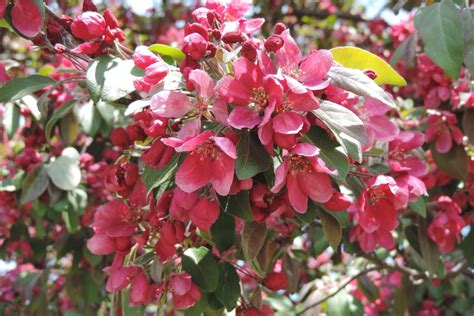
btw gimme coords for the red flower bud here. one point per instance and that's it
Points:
(88, 5)
(274, 43)
(276, 281)
(232, 37)
(249, 51)
(279, 28)
(88, 26)
(120, 138)
(195, 46)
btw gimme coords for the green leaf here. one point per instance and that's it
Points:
(71, 220)
(202, 266)
(454, 163)
(228, 289)
(368, 287)
(11, 119)
(111, 78)
(467, 123)
(223, 232)
(339, 304)
(237, 205)
(34, 184)
(89, 118)
(20, 87)
(418, 206)
(166, 50)
(153, 178)
(468, 22)
(429, 251)
(406, 51)
(128, 310)
(332, 229)
(64, 172)
(65, 109)
(355, 81)
(467, 246)
(252, 158)
(357, 58)
(441, 29)
(253, 239)
(346, 126)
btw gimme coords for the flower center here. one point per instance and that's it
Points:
(260, 98)
(299, 164)
(397, 154)
(208, 150)
(375, 195)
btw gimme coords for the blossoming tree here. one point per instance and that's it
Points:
(313, 163)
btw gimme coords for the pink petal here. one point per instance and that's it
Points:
(193, 143)
(305, 149)
(219, 110)
(3, 5)
(315, 67)
(181, 283)
(204, 214)
(247, 73)
(202, 82)
(303, 102)
(226, 145)
(289, 55)
(243, 117)
(444, 142)
(101, 244)
(170, 104)
(375, 107)
(287, 123)
(190, 129)
(415, 166)
(233, 91)
(316, 185)
(280, 177)
(265, 133)
(194, 173)
(298, 198)
(222, 174)
(383, 128)
(4, 77)
(26, 17)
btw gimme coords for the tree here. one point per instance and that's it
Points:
(302, 160)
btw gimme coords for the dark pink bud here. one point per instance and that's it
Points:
(274, 43)
(88, 26)
(110, 19)
(279, 28)
(276, 281)
(88, 5)
(195, 46)
(249, 51)
(232, 37)
(120, 138)
(370, 73)
(196, 28)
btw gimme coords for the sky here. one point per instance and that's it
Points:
(373, 8)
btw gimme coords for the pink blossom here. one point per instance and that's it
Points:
(442, 128)
(303, 74)
(185, 292)
(211, 160)
(88, 26)
(400, 158)
(305, 175)
(26, 17)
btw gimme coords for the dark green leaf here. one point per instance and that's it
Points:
(411, 233)
(34, 184)
(418, 206)
(467, 246)
(166, 50)
(467, 123)
(332, 229)
(355, 81)
(153, 178)
(253, 239)
(441, 29)
(368, 287)
(237, 205)
(71, 220)
(429, 251)
(228, 290)
(346, 126)
(202, 266)
(11, 119)
(252, 157)
(65, 109)
(20, 87)
(406, 52)
(468, 21)
(223, 232)
(454, 162)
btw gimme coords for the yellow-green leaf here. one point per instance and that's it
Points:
(356, 58)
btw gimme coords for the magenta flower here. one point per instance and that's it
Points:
(401, 160)
(369, 241)
(305, 175)
(211, 160)
(303, 73)
(442, 129)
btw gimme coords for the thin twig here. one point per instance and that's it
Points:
(363, 272)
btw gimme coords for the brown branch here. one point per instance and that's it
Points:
(361, 273)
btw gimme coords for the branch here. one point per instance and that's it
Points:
(324, 14)
(363, 272)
